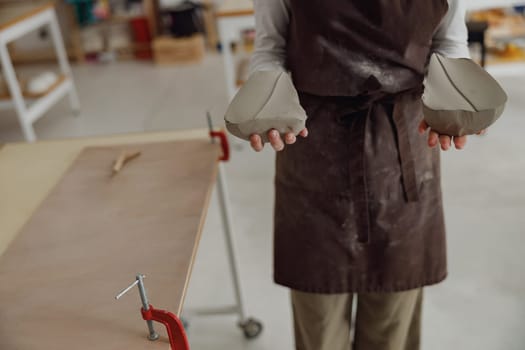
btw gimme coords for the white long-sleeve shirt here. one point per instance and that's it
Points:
(272, 18)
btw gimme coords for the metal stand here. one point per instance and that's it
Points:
(251, 327)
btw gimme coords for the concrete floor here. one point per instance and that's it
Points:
(480, 307)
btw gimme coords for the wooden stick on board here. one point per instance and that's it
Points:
(122, 160)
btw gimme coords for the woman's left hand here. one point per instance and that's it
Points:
(434, 138)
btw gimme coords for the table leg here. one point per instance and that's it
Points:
(483, 50)
(229, 64)
(63, 62)
(250, 326)
(16, 92)
(228, 232)
(76, 39)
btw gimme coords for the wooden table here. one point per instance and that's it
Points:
(16, 20)
(72, 236)
(476, 34)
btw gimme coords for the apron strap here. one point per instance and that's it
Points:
(358, 185)
(405, 151)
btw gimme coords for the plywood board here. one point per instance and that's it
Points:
(29, 171)
(92, 234)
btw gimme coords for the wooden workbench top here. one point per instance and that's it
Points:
(92, 232)
(12, 13)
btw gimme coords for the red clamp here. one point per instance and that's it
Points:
(174, 327)
(221, 135)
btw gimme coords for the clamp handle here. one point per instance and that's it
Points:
(221, 135)
(225, 145)
(174, 326)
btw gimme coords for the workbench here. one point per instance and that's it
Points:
(72, 235)
(16, 20)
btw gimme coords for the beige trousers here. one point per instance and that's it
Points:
(384, 321)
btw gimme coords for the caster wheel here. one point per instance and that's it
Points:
(251, 328)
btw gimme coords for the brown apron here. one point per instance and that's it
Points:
(358, 202)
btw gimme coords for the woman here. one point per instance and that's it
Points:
(358, 200)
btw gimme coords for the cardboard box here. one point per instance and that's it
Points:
(168, 50)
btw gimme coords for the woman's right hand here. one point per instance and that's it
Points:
(275, 139)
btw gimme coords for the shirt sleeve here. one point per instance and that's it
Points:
(451, 38)
(271, 27)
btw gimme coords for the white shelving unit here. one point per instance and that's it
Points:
(15, 23)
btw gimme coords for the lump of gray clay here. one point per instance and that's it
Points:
(268, 100)
(460, 97)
